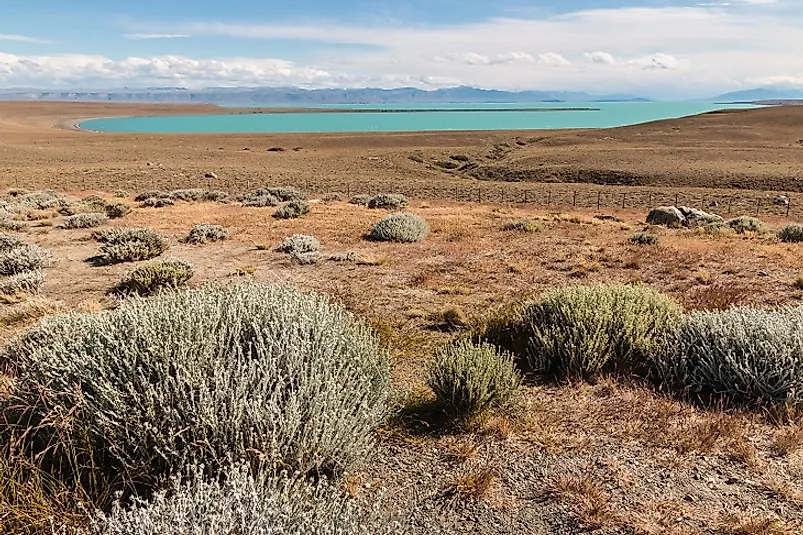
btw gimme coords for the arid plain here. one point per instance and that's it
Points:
(610, 457)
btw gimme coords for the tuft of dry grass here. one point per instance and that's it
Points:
(754, 524)
(474, 485)
(459, 449)
(587, 500)
(788, 441)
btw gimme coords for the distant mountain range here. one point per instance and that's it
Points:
(752, 95)
(291, 96)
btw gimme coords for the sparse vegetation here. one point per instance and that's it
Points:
(89, 220)
(22, 258)
(791, 233)
(361, 199)
(400, 227)
(150, 194)
(117, 210)
(388, 201)
(129, 245)
(306, 259)
(198, 195)
(745, 224)
(157, 202)
(25, 282)
(292, 210)
(299, 244)
(157, 275)
(644, 238)
(206, 232)
(259, 199)
(332, 197)
(522, 225)
(470, 379)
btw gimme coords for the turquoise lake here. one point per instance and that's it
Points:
(404, 118)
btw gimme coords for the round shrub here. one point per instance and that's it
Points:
(470, 379)
(299, 244)
(157, 202)
(388, 201)
(292, 210)
(25, 257)
(145, 195)
(746, 224)
(8, 242)
(89, 220)
(306, 259)
(745, 355)
(362, 200)
(254, 504)
(259, 199)
(521, 225)
(246, 372)
(643, 238)
(129, 245)
(117, 210)
(206, 232)
(791, 233)
(286, 193)
(580, 332)
(198, 195)
(27, 282)
(400, 227)
(121, 194)
(332, 197)
(152, 277)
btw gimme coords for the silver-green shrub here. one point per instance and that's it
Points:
(361, 199)
(117, 210)
(579, 332)
(28, 282)
(145, 195)
(332, 197)
(388, 201)
(202, 376)
(206, 232)
(746, 355)
(150, 278)
(791, 233)
(400, 227)
(522, 225)
(286, 193)
(129, 245)
(121, 194)
(157, 202)
(198, 195)
(469, 379)
(643, 238)
(744, 224)
(241, 504)
(259, 199)
(25, 257)
(11, 224)
(299, 244)
(306, 259)
(90, 220)
(8, 242)
(41, 200)
(292, 210)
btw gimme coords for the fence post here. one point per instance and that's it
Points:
(525, 196)
(787, 207)
(649, 200)
(599, 198)
(549, 198)
(676, 198)
(479, 194)
(758, 206)
(502, 196)
(574, 199)
(730, 200)
(623, 200)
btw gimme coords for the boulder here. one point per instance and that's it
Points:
(666, 215)
(210, 175)
(698, 218)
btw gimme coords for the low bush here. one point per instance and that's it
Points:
(152, 277)
(299, 244)
(388, 201)
(254, 504)
(157, 202)
(292, 210)
(400, 227)
(121, 194)
(11, 224)
(744, 224)
(644, 238)
(198, 195)
(117, 210)
(286, 193)
(203, 376)
(8, 242)
(25, 282)
(522, 225)
(469, 379)
(791, 233)
(306, 259)
(745, 355)
(150, 194)
(41, 200)
(129, 245)
(206, 232)
(84, 221)
(362, 200)
(580, 332)
(25, 257)
(259, 200)
(332, 197)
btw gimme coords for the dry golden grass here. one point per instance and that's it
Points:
(590, 504)
(755, 524)
(788, 441)
(475, 485)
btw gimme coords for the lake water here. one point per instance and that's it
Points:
(417, 117)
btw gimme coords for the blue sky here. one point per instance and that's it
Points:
(656, 48)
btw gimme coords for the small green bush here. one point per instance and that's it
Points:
(206, 232)
(388, 201)
(25, 257)
(470, 379)
(744, 224)
(362, 200)
(117, 210)
(207, 376)
(157, 202)
(27, 282)
(129, 245)
(400, 227)
(791, 233)
(522, 225)
(299, 244)
(644, 238)
(745, 355)
(292, 210)
(157, 275)
(580, 332)
(90, 220)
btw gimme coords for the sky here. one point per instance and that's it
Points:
(656, 48)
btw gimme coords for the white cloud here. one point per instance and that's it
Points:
(140, 36)
(21, 38)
